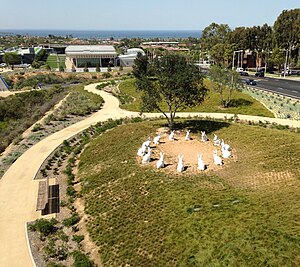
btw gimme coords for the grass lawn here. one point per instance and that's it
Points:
(246, 214)
(52, 61)
(241, 104)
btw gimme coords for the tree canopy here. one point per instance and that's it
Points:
(11, 58)
(225, 81)
(287, 28)
(168, 81)
(219, 41)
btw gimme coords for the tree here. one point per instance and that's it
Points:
(168, 81)
(11, 59)
(214, 34)
(98, 68)
(222, 53)
(277, 57)
(225, 82)
(86, 69)
(287, 28)
(287, 31)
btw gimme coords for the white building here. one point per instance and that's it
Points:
(80, 56)
(127, 60)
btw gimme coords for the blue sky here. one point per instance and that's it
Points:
(139, 14)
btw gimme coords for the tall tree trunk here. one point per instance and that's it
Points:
(171, 120)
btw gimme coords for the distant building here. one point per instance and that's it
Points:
(79, 56)
(127, 60)
(26, 54)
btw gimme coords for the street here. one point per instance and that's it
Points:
(281, 86)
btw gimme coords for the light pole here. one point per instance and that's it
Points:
(239, 58)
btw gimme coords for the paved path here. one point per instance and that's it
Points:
(8, 93)
(18, 190)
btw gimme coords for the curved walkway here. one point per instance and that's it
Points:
(18, 190)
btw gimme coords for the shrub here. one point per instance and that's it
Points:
(78, 238)
(106, 75)
(37, 127)
(71, 220)
(71, 191)
(45, 227)
(98, 68)
(81, 260)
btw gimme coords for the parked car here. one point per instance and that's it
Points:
(244, 73)
(239, 69)
(2, 65)
(260, 74)
(250, 82)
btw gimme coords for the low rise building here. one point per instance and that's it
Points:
(80, 56)
(127, 60)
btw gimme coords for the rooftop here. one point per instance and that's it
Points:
(90, 49)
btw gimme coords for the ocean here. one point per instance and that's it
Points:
(145, 34)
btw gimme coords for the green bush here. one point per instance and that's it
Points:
(37, 127)
(81, 260)
(40, 78)
(71, 220)
(45, 227)
(106, 75)
(78, 238)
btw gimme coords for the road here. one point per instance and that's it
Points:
(281, 86)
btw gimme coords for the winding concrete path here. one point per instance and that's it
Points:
(18, 190)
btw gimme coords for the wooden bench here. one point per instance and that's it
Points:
(43, 194)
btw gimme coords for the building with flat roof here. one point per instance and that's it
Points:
(79, 56)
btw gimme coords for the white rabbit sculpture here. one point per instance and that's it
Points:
(160, 163)
(201, 165)
(217, 141)
(217, 159)
(147, 142)
(147, 157)
(180, 166)
(226, 154)
(204, 137)
(188, 135)
(225, 146)
(171, 136)
(142, 150)
(156, 139)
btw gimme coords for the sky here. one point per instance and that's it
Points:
(138, 14)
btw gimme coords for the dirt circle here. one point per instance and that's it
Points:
(189, 150)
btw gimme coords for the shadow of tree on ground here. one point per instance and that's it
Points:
(235, 103)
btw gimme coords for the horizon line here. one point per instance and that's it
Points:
(99, 29)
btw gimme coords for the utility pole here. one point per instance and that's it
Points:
(57, 61)
(286, 62)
